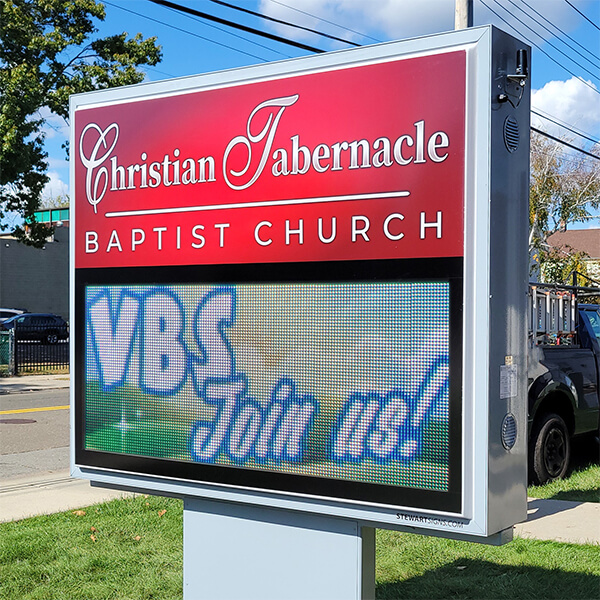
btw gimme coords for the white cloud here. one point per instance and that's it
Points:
(383, 19)
(55, 187)
(54, 125)
(569, 101)
(399, 19)
(57, 163)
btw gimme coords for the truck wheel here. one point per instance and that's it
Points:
(550, 449)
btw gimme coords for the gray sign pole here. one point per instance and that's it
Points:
(257, 553)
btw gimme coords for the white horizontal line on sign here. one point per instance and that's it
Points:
(181, 209)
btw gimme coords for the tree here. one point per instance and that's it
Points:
(559, 264)
(60, 201)
(564, 188)
(46, 54)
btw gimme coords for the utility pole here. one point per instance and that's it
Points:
(463, 14)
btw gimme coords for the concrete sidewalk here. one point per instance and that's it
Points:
(561, 521)
(33, 383)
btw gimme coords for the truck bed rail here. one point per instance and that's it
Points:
(553, 315)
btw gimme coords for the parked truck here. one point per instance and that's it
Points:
(563, 374)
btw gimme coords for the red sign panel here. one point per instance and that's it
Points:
(356, 163)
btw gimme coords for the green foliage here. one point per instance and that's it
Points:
(559, 263)
(46, 54)
(564, 188)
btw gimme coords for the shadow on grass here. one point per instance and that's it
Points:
(483, 580)
(585, 453)
(575, 496)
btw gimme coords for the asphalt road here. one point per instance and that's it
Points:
(34, 441)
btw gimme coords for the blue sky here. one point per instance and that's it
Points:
(565, 63)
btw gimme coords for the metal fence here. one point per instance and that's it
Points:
(6, 352)
(38, 349)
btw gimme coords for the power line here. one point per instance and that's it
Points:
(564, 143)
(557, 28)
(547, 41)
(540, 49)
(235, 35)
(564, 126)
(209, 17)
(563, 159)
(196, 35)
(324, 20)
(586, 18)
(149, 69)
(274, 20)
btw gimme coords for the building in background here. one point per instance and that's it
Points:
(59, 217)
(582, 240)
(37, 279)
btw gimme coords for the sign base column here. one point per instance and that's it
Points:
(235, 552)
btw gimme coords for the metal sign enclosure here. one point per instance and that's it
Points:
(301, 284)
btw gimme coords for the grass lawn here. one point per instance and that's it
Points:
(418, 567)
(132, 549)
(582, 486)
(125, 549)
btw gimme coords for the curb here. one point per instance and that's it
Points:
(33, 383)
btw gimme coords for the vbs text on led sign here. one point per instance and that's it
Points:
(143, 331)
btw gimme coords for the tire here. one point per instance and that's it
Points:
(550, 449)
(51, 337)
